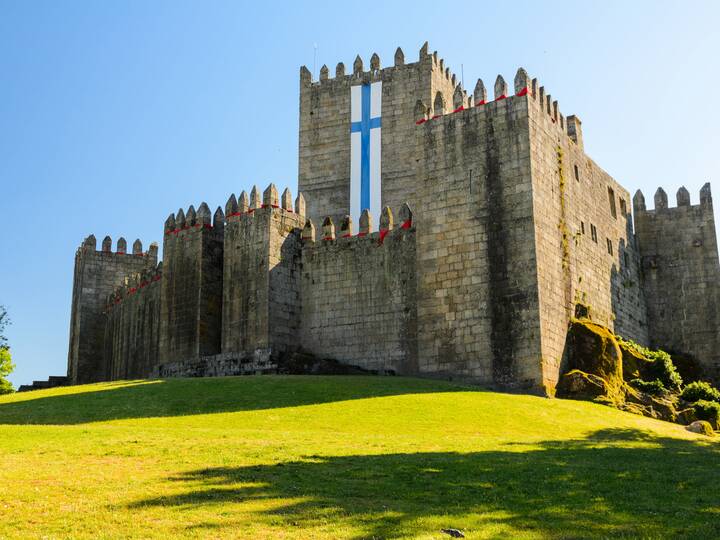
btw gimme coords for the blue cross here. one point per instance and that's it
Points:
(364, 127)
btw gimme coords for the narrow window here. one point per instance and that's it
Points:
(582, 227)
(610, 248)
(626, 259)
(611, 198)
(593, 233)
(577, 173)
(623, 208)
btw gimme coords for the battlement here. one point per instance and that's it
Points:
(364, 234)
(244, 207)
(89, 246)
(376, 72)
(135, 283)
(180, 223)
(523, 87)
(682, 198)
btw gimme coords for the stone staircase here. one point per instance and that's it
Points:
(52, 382)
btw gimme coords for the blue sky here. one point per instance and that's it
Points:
(113, 114)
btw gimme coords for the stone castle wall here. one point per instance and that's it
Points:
(681, 275)
(132, 327)
(191, 288)
(96, 275)
(585, 247)
(261, 298)
(358, 300)
(477, 292)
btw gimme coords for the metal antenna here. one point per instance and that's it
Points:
(315, 48)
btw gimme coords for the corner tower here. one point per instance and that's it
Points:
(681, 273)
(97, 274)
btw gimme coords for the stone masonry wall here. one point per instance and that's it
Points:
(586, 252)
(96, 275)
(477, 284)
(191, 288)
(261, 275)
(358, 301)
(681, 275)
(132, 327)
(324, 142)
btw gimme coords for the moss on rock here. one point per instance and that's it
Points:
(702, 427)
(593, 350)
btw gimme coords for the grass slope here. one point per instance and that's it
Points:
(343, 457)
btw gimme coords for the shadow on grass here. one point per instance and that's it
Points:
(181, 397)
(613, 483)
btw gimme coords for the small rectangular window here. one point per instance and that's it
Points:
(577, 173)
(611, 198)
(582, 227)
(623, 208)
(593, 233)
(610, 246)
(626, 259)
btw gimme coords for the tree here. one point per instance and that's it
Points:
(6, 365)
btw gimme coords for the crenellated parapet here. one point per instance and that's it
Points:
(89, 246)
(137, 283)
(523, 88)
(347, 233)
(682, 202)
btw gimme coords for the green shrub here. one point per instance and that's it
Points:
(663, 370)
(6, 387)
(656, 387)
(708, 410)
(696, 391)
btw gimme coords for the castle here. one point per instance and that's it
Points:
(436, 233)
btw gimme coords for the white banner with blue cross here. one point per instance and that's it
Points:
(365, 150)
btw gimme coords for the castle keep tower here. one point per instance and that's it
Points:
(359, 128)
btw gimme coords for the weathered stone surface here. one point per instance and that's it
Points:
(577, 384)
(594, 350)
(702, 427)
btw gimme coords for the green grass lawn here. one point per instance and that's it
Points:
(343, 457)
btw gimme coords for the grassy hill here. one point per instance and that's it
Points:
(343, 457)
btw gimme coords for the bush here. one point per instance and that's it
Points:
(697, 391)
(663, 370)
(660, 366)
(6, 387)
(708, 410)
(655, 388)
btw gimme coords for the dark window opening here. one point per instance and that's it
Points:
(593, 233)
(577, 173)
(610, 246)
(611, 198)
(582, 227)
(623, 208)
(626, 259)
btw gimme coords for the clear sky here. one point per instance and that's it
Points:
(114, 114)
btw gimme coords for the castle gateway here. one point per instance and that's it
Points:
(436, 233)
